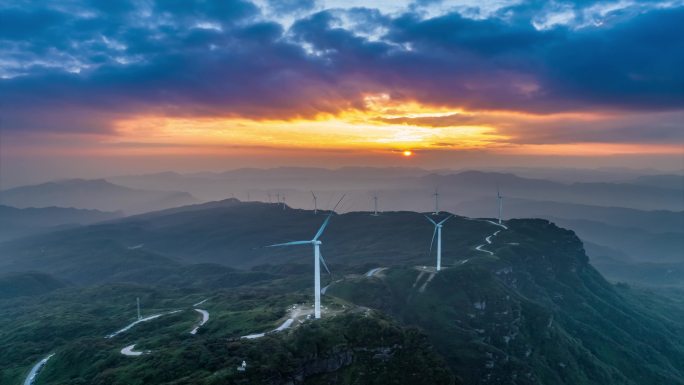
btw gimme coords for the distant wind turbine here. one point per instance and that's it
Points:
(318, 258)
(436, 195)
(438, 231)
(375, 205)
(500, 199)
(315, 200)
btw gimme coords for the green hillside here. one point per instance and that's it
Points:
(235, 235)
(536, 312)
(27, 284)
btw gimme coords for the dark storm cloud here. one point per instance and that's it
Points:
(210, 58)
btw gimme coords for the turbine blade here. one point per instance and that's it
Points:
(324, 264)
(327, 219)
(323, 226)
(445, 219)
(291, 243)
(313, 195)
(431, 221)
(433, 240)
(338, 203)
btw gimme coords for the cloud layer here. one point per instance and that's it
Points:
(78, 66)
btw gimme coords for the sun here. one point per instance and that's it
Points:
(408, 153)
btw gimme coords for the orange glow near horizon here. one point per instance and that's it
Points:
(383, 126)
(368, 129)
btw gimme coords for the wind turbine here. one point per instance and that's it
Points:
(318, 258)
(438, 231)
(436, 195)
(500, 199)
(375, 205)
(315, 199)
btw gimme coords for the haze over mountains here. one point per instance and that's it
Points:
(650, 192)
(631, 221)
(16, 222)
(95, 194)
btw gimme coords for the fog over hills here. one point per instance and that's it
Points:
(95, 194)
(397, 185)
(628, 216)
(605, 207)
(16, 222)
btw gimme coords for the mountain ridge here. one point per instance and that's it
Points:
(97, 194)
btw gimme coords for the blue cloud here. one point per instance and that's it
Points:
(100, 59)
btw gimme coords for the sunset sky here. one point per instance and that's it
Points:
(98, 87)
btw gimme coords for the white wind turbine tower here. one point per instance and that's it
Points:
(375, 205)
(436, 195)
(500, 199)
(438, 231)
(315, 199)
(318, 258)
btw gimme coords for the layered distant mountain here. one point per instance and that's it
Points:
(651, 220)
(411, 189)
(470, 184)
(294, 182)
(16, 222)
(96, 194)
(630, 218)
(670, 181)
